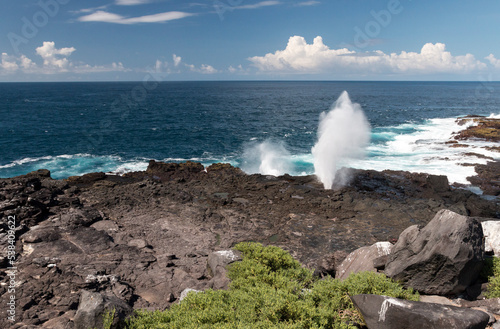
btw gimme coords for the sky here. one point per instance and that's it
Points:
(134, 40)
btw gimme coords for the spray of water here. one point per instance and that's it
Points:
(267, 158)
(343, 134)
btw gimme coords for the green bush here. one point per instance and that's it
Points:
(269, 289)
(492, 271)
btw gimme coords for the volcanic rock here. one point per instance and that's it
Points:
(362, 259)
(442, 258)
(382, 312)
(144, 237)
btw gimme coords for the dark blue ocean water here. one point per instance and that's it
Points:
(74, 128)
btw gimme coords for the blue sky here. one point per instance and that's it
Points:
(70, 40)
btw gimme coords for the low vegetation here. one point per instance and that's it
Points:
(270, 289)
(492, 272)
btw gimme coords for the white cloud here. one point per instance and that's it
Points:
(207, 69)
(131, 2)
(87, 10)
(54, 61)
(53, 57)
(259, 5)
(177, 60)
(238, 69)
(301, 57)
(307, 3)
(9, 64)
(204, 68)
(176, 67)
(86, 68)
(493, 61)
(106, 17)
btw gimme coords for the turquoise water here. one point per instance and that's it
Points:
(75, 128)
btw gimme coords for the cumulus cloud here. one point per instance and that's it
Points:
(207, 69)
(177, 60)
(301, 57)
(166, 67)
(53, 57)
(107, 17)
(238, 69)
(54, 60)
(204, 68)
(493, 61)
(176, 67)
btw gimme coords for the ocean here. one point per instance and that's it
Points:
(260, 126)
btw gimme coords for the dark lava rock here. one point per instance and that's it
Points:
(382, 312)
(443, 258)
(488, 178)
(117, 235)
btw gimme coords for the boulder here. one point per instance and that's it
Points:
(186, 291)
(438, 183)
(218, 260)
(443, 258)
(491, 230)
(361, 259)
(93, 307)
(492, 305)
(382, 312)
(438, 300)
(329, 263)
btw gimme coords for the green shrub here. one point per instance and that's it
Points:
(269, 289)
(492, 270)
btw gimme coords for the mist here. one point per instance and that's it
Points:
(343, 134)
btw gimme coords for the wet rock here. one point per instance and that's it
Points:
(487, 178)
(87, 179)
(438, 183)
(485, 128)
(382, 312)
(442, 258)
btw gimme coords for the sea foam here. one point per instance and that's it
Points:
(267, 158)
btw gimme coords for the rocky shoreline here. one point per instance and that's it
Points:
(144, 237)
(138, 240)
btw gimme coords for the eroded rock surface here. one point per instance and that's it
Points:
(145, 237)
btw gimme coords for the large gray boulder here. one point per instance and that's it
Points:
(217, 263)
(382, 312)
(443, 258)
(361, 259)
(218, 260)
(93, 307)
